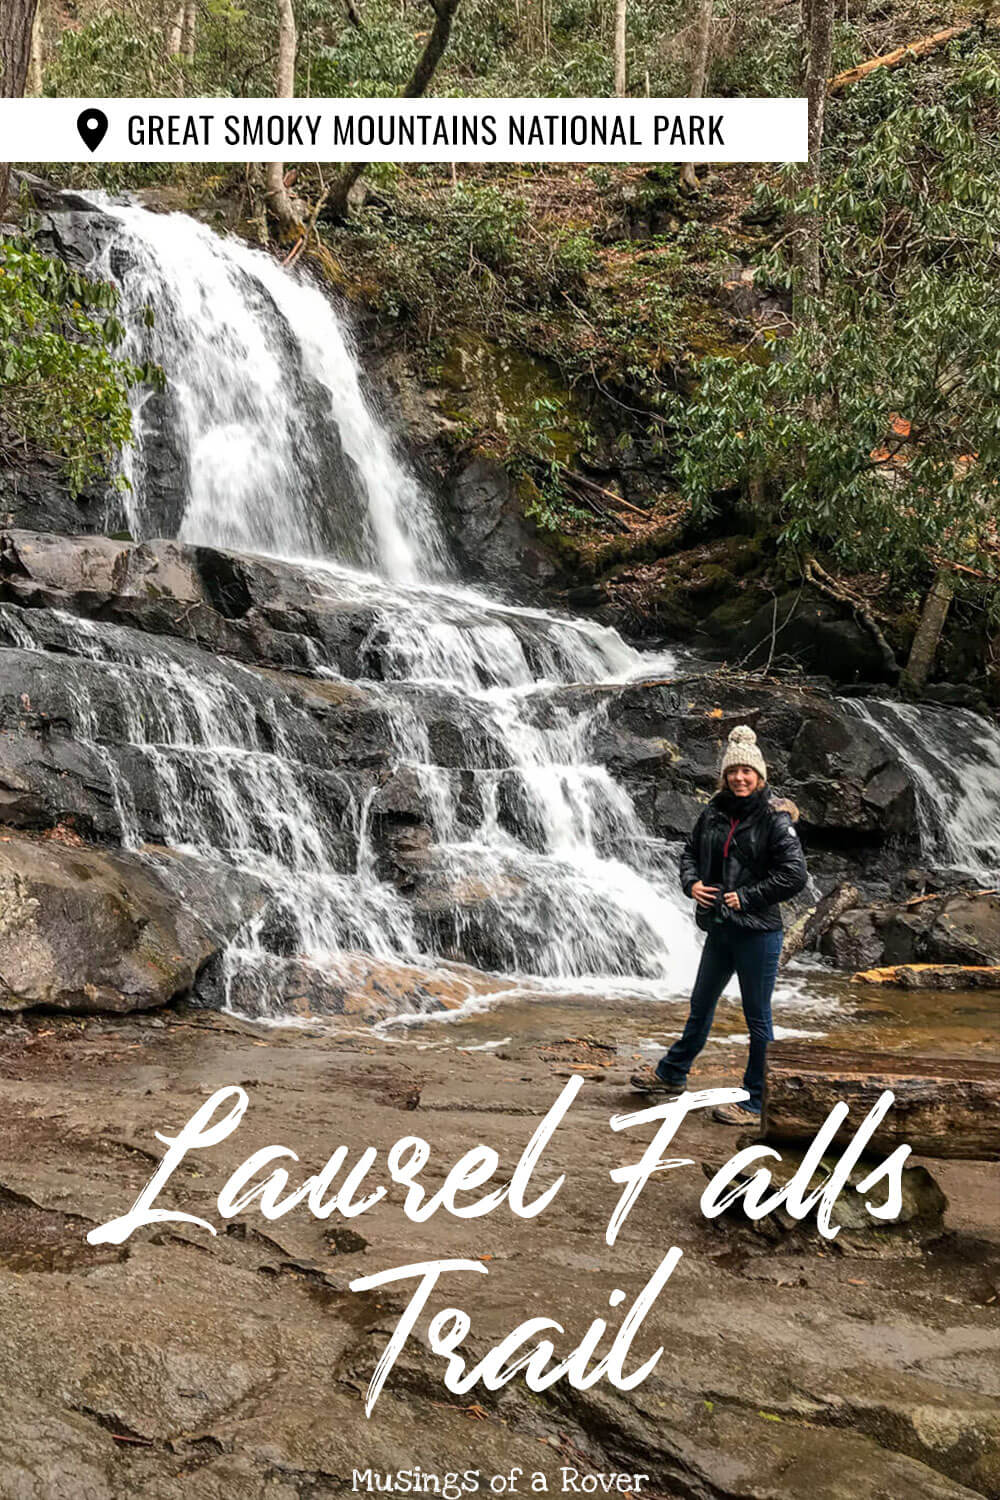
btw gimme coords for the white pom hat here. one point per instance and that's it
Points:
(742, 750)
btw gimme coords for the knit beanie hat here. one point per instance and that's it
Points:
(742, 750)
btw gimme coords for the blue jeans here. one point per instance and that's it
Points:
(753, 957)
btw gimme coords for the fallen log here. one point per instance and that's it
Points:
(806, 931)
(933, 976)
(989, 890)
(921, 48)
(944, 1106)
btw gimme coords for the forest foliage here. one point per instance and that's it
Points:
(875, 427)
(863, 424)
(63, 385)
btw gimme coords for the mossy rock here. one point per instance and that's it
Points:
(519, 396)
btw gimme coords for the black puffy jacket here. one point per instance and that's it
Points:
(764, 862)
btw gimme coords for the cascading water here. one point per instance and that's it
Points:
(954, 759)
(535, 864)
(543, 868)
(280, 449)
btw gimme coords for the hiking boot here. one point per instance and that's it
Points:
(736, 1114)
(648, 1081)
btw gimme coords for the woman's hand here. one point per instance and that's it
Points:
(732, 900)
(705, 895)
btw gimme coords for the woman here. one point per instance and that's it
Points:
(742, 857)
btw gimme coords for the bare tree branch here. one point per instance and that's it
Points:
(444, 12)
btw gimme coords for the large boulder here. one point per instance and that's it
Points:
(958, 929)
(75, 231)
(665, 738)
(256, 610)
(86, 930)
(820, 635)
(920, 1216)
(36, 497)
(494, 541)
(852, 942)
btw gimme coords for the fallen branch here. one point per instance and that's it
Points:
(957, 567)
(615, 522)
(597, 489)
(806, 930)
(821, 579)
(991, 890)
(933, 976)
(926, 44)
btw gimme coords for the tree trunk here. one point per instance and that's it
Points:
(803, 43)
(699, 74)
(621, 85)
(444, 15)
(945, 1107)
(279, 203)
(925, 642)
(33, 84)
(174, 35)
(820, 51)
(17, 19)
(189, 30)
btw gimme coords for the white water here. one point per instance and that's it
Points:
(553, 871)
(953, 757)
(241, 339)
(552, 876)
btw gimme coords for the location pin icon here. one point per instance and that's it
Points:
(92, 123)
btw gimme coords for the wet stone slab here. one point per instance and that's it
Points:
(236, 1365)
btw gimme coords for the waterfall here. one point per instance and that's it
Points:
(279, 448)
(531, 860)
(265, 442)
(953, 756)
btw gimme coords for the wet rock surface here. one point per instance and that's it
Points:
(87, 930)
(143, 686)
(963, 928)
(236, 1365)
(251, 609)
(35, 496)
(665, 739)
(494, 541)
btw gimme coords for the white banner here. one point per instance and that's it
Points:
(400, 130)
